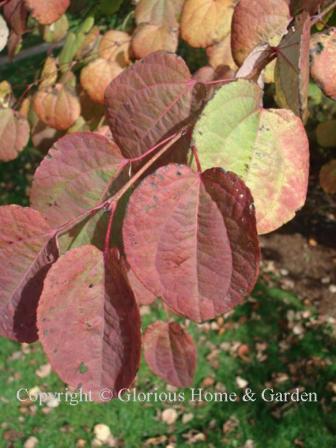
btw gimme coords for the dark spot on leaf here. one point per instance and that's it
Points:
(82, 368)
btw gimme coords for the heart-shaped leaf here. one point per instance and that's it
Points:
(149, 38)
(258, 22)
(27, 250)
(191, 239)
(14, 134)
(268, 149)
(96, 77)
(170, 353)
(323, 53)
(159, 12)
(292, 67)
(47, 11)
(150, 100)
(328, 177)
(89, 323)
(206, 22)
(57, 107)
(76, 176)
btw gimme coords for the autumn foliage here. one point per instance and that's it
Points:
(157, 181)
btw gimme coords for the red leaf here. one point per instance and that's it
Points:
(89, 323)
(75, 177)
(170, 353)
(311, 6)
(150, 100)
(47, 11)
(258, 22)
(142, 295)
(15, 13)
(192, 239)
(27, 250)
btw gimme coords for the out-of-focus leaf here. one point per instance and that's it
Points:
(298, 6)
(292, 67)
(15, 13)
(326, 134)
(191, 239)
(49, 73)
(323, 67)
(328, 177)
(206, 22)
(96, 77)
(88, 305)
(115, 47)
(27, 250)
(149, 38)
(57, 107)
(57, 30)
(170, 353)
(220, 54)
(14, 134)
(159, 12)
(47, 11)
(267, 148)
(4, 33)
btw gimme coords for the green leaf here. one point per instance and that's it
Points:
(268, 149)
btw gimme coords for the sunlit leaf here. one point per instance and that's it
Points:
(149, 101)
(4, 33)
(206, 22)
(57, 107)
(258, 22)
(96, 77)
(267, 148)
(75, 177)
(149, 38)
(47, 11)
(115, 46)
(159, 12)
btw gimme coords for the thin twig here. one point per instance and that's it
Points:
(326, 11)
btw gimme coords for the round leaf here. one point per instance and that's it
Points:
(57, 107)
(75, 177)
(96, 77)
(159, 12)
(149, 101)
(268, 149)
(258, 22)
(115, 46)
(170, 353)
(206, 22)
(191, 239)
(149, 38)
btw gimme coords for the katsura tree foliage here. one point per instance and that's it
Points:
(157, 181)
